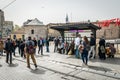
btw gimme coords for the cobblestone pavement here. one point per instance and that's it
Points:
(55, 66)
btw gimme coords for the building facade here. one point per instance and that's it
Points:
(1, 22)
(109, 32)
(33, 28)
(7, 28)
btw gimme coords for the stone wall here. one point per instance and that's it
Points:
(39, 31)
(111, 32)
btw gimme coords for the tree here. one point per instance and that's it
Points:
(16, 27)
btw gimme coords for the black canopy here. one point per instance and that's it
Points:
(74, 26)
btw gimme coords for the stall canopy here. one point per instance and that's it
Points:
(74, 26)
(61, 27)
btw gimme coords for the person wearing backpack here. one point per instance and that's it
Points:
(8, 49)
(101, 48)
(30, 51)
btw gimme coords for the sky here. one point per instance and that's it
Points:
(54, 11)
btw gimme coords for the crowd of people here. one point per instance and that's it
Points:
(26, 48)
(80, 47)
(84, 48)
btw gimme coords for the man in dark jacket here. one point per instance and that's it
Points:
(47, 45)
(8, 49)
(102, 48)
(40, 45)
(35, 42)
(92, 46)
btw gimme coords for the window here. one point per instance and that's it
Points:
(14, 36)
(32, 31)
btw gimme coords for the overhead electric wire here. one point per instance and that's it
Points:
(8, 4)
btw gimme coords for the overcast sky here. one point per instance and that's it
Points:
(54, 11)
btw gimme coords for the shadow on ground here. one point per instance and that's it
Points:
(38, 71)
(13, 65)
(42, 56)
(0, 65)
(99, 68)
(113, 61)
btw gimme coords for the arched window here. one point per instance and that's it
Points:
(32, 31)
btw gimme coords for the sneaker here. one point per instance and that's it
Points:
(35, 65)
(28, 66)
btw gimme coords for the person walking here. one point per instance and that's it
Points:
(92, 47)
(8, 49)
(84, 50)
(19, 42)
(77, 43)
(35, 42)
(14, 46)
(22, 46)
(40, 45)
(47, 45)
(30, 52)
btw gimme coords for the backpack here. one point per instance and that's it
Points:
(31, 49)
(102, 49)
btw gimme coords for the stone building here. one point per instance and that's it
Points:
(1, 22)
(109, 32)
(34, 28)
(20, 33)
(7, 28)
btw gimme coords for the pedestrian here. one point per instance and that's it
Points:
(40, 45)
(47, 45)
(84, 50)
(14, 46)
(19, 42)
(8, 49)
(1, 47)
(66, 47)
(92, 46)
(77, 43)
(35, 42)
(102, 49)
(71, 48)
(56, 43)
(22, 46)
(30, 52)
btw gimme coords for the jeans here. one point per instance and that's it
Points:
(77, 52)
(92, 49)
(40, 48)
(84, 56)
(47, 48)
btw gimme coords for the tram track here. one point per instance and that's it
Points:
(75, 69)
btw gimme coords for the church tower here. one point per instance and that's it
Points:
(67, 19)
